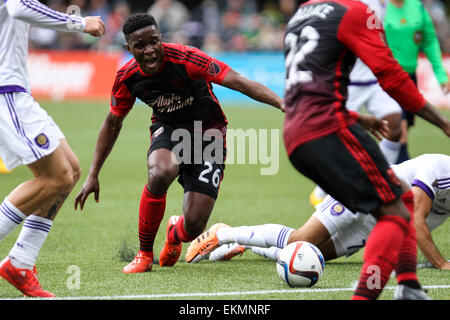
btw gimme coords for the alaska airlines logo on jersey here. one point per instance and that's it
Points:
(320, 11)
(170, 102)
(42, 141)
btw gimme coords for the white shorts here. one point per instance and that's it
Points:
(27, 132)
(374, 98)
(348, 230)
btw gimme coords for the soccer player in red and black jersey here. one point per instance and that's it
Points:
(325, 143)
(175, 81)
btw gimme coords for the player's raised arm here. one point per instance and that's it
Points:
(105, 142)
(367, 43)
(252, 89)
(36, 13)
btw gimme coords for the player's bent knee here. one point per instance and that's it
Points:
(160, 178)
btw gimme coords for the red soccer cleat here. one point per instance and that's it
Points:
(143, 262)
(24, 280)
(170, 254)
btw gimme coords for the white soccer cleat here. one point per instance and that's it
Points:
(226, 252)
(403, 292)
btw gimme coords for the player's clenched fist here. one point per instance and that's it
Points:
(94, 26)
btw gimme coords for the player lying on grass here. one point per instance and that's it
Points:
(176, 82)
(337, 231)
(29, 136)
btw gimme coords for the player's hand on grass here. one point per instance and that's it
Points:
(378, 127)
(94, 26)
(90, 185)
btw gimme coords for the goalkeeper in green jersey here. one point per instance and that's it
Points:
(410, 30)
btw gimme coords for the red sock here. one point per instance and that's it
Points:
(178, 233)
(151, 212)
(407, 258)
(380, 256)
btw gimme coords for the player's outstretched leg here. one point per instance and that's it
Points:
(266, 235)
(55, 176)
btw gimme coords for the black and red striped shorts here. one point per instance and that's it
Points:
(349, 166)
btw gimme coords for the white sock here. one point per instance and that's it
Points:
(10, 218)
(271, 253)
(390, 149)
(266, 235)
(26, 249)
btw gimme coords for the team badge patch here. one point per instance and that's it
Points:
(337, 209)
(42, 141)
(213, 68)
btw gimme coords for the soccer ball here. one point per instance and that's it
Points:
(300, 264)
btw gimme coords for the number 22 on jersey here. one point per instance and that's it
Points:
(296, 55)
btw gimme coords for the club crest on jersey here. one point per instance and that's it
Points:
(42, 141)
(337, 209)
(213, 68)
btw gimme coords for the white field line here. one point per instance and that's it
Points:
(214, 294)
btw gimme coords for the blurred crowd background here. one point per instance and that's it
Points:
(213, 26)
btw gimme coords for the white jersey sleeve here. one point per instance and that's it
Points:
(431, 173)
(37, 14)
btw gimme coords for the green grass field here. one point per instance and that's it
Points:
(99, 240)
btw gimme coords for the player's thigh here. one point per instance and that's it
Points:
(349, 166)
(27, 132)
(71, 158)
(161, 163)
(333, 215)
(313, 231)
(351, 239)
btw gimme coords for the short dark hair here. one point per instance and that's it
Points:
(138, 21)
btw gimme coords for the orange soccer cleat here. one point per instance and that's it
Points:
(170, 254)
(24, 280)
(143, 262)
(204, 243)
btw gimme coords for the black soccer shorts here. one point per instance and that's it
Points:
(349, 166)
(201, 160)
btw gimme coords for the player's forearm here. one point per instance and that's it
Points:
(36, 13)
(106, 139)
(252, 89)
(432, 115)
(261, 93)
(427, 246)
